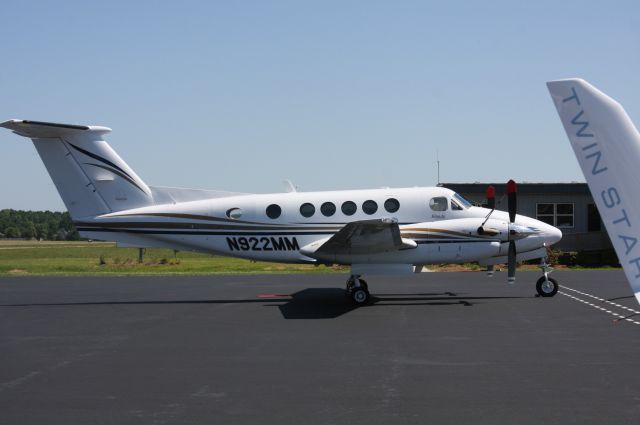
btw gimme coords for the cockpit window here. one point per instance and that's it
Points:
(461, 201)
(438, 204)
(455, 206)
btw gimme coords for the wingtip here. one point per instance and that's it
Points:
(558, 89)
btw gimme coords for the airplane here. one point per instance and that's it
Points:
(376, 231)
(607, 146)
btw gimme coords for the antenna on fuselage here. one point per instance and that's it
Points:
(438, 165)
(289, 186)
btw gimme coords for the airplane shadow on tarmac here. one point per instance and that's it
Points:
(310, 303)
(329, 303)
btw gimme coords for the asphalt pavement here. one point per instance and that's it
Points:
(437, 348)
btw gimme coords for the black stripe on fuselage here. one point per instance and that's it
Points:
(249, 233)
(204, 233)
(123, 225)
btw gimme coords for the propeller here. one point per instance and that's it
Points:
(491, 203)
(491, 197)
(512, 206)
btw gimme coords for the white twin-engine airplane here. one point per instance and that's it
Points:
(379, 231)
(607, 146)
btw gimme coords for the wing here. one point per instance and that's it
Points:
(607, 146)
(361, 237)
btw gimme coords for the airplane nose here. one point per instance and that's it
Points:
(551, 235)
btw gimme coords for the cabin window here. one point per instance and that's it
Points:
(349, 208)
(391, 205)
(274, 211)
(307, 210)
(369, 207)
(438, 203)
(234, 213)
(328, 209)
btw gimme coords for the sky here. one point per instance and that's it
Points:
(332, 95)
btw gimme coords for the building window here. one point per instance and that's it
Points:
(391, 205)
(328, 209)
(559, 215)
(594, 224)
(349, 208)
(307, 210)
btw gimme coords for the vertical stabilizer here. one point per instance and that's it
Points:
(90, 176)
(607, 146)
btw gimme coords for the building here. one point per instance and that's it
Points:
(568, 206)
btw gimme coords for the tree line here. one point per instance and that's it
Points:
(46, 225)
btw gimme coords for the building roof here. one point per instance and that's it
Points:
(523, 188)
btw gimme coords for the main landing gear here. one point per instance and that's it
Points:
(358, 290)
(546, 286)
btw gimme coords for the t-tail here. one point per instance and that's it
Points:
(89, 175)
(607, 146)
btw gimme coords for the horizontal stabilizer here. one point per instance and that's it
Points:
(45, 130)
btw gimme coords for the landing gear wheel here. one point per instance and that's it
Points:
(547, 286)
(363, 284)
(351, 285)
(358, 290)
(360, 295)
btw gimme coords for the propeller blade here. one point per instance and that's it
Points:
(512, 204)
(512, 200)
(491, 197)
(511, 271)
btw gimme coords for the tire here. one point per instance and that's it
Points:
(364, 285)
(547, 287)
(351, 283)
(360, 296)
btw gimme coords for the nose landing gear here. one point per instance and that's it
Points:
(358, 290)
(546, 286)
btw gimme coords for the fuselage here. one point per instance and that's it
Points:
(278, 227)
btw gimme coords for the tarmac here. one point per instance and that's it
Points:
(437, 348)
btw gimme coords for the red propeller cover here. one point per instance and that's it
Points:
(491, 192)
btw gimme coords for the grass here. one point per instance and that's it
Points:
(104, 258)
(48, 258)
